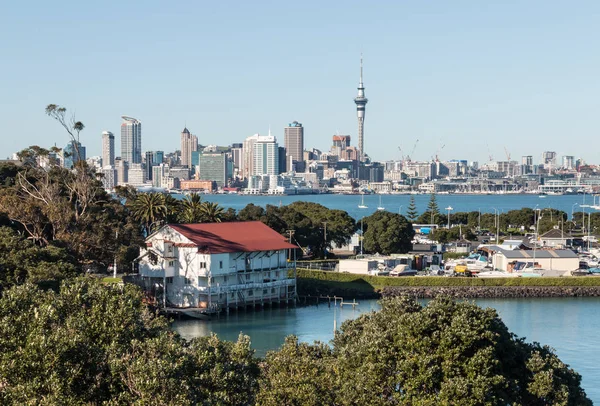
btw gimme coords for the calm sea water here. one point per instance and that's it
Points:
(399, 203)
(569, 325)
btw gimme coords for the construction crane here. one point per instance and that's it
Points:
(438, 152)
(489, 153)
(401, 154)
(507, 154)
(408, 157)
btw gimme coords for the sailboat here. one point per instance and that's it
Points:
(380, 207)
(362, 203)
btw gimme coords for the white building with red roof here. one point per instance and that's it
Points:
(218, 265)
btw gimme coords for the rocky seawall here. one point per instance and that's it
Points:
(428, 292)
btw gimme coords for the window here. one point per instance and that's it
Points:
(272, 290)
(265, 291)
(212, 280)
(232, 295)
(277, 274)
(202, 265)
(169, 248)
(247, 277)
(171, 263)
(170, 279)
(220, 264)
(250, 293)
(225, 279)
(189, 281)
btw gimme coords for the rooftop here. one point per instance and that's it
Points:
(239, 236)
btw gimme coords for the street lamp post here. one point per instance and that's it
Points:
(325, 239)
(497, 221)
(449, 208)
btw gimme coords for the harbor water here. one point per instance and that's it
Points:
(569, 325)
(398, 203)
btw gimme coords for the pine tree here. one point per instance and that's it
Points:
(432, 208)
(411, 211)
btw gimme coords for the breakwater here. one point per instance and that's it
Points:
(316, 283)
(491, 292)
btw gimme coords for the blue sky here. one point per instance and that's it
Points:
(470, 75)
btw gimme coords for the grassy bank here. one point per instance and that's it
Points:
(312, 282)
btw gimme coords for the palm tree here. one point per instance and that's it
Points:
(150, 209)
(173, 208)
(211, 212)
(191, 209)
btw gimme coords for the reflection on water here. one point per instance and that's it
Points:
(569, 325)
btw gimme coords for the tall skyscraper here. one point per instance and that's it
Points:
(361, 102)
(340, 144)
(189, 144)
(236, 155)
(568, 162)
(108, 149)
(294, 146)
(158, 157)
(266, 156)
(248, 156)
(73, 153)
(214, 167)
(131, 140)
(527, 160)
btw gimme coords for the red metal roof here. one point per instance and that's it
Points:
(240, 236)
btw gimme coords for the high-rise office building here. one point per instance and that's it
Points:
(158, 157)
(294, 146)
(248, 156)
(340, 143)
(131, 140)
(108, 149)
(361, 102)
(568, 162)
(213, 167)
(189, 144)
(266, 156)
(236, 155)
(136, 175)
(73, 153)
(149, 163)
(282, 160)
(527, 160)
(549, 159)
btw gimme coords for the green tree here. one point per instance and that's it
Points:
(298, 374)
(91, 343)
(211, 212)
(251, 212)
(21, 260)
(150, 209)
(411, 212)
(191, 209)
(432, 206)
(387, 233)
(447, 352)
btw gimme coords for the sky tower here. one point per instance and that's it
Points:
(361, 103)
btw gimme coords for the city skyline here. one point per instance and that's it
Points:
(445, 74)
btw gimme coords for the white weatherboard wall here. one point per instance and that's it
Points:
(199, 279)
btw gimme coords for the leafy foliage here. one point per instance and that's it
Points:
(98, 344)
(446, 353)
(387, 233)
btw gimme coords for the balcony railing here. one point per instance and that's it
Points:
(244, 286)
